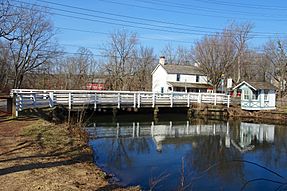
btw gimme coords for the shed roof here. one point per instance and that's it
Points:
(257, 85)
(182, 69)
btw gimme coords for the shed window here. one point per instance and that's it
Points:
(177, 77)
(246, 95)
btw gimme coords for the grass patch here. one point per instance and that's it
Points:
(48, 135)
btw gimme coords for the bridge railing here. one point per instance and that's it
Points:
(29, 98)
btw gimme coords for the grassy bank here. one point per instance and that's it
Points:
(38, 155)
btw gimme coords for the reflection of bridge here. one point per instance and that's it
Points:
(167, 130)
(28, 98)
(249, 133)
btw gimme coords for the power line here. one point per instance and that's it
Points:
(158, 28)
(149, 20)
(199, 8)
(140, 37)
(232, 4)
(187, 13)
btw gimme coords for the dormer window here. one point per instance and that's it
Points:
(177, 77)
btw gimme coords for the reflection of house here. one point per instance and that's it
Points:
(183, 78)
(257, 95)
(251, 134)
(163, 132)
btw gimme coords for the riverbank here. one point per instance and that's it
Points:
(38, 155)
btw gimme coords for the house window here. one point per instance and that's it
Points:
(197, 79)
(265, 95)
(161, 90)
(177, 77)
(246, 95)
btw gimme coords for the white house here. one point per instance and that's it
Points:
(178, 78)
(257, 95)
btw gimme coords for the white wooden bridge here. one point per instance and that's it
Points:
(34, 98)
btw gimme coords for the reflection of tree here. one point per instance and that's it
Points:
(120, 151)
(276, 156)
(210, 150)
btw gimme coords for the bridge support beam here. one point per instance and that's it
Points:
(115, 112)
(155, 112)
(190, 112)
(11, 106)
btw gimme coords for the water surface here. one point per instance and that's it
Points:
(192, 155)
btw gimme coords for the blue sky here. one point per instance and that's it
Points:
(88, 23)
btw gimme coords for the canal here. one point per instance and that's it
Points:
(173, 153)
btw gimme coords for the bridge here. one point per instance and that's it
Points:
(75, 99)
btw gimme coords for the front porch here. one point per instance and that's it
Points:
(189, 87)
(256, 105)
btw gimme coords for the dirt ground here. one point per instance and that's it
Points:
(37, 155)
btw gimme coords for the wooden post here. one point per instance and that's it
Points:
(199, 98)
(119, 100)
(34, 100)
(155, 112)
(215, 99)
(51, 99)
(139, 100)
(135, 100)
(171, 99)
(188, 100)
(153, 100)
(70, 101)
(11, 105)
(138, 129)
(95, 102)
(228, 100)
(115, 111)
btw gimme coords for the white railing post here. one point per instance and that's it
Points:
(199, 98)
(135, 100)
(34, 99)
(17, 104)
(95, 101)
(228, 100)
(215, 95)
(188, 100)
(139, 100)
(51, 99)
(171, 99)
(119, 100)
(153, 100)
(70, 100)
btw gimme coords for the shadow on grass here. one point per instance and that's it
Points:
(54, 153)
(42, 165)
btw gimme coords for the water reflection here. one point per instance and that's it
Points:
(138, 153)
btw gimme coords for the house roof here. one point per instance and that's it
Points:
(182, 69)
(257, 85)
(189, 85)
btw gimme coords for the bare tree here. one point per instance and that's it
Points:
(34, 45)
(180, 55)
(276, 54)
(9, 20)
(120, 53)
(216, 55)
(76, 71)
(145, 63)
(241, 35)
